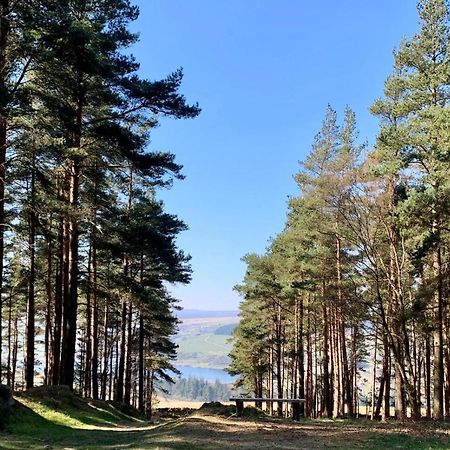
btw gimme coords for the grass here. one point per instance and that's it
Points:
(200, 346)
(206, 350)
(214, 344)
(58, 420)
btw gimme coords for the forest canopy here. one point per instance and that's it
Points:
(356, 285)
(86, 249)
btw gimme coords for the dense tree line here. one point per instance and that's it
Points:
(198, 389)
(86, 249)
(357, 283)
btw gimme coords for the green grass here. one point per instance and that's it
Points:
(212, 344)
(55, 419)
(403, 440)
(205, 350)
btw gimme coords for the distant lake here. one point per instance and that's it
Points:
(206, 374)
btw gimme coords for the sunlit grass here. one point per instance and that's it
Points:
(70, 423)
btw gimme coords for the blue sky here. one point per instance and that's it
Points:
(263, 72)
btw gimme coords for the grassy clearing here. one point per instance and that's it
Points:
(70, 423)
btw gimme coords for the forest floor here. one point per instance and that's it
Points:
(65, 423)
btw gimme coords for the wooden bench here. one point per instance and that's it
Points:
(296, 402)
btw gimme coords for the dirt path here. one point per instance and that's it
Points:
(218, 433)
(206, 431)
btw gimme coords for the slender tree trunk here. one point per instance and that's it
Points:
(355, 396)
(49, 306)
(278, 356)
(70, 300)
(71, 297)
(106, 352)
(14, 355)
(438, 356)
(4, 38)
(128, 360)
(87, 369)
(121, 365)
(141, 405)
(95, 357)
(346, 378)
(301, 355)
(8, 365)
(379, 404)
(387, 377)
(428, 374)
(309, 371)
(59, 292)
(327, 409)
(447, 371)
(374, 376)
(29, 363)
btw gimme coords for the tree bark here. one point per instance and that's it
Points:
(106, 352)
(141, 405)
(438, 356)
(29, 362)
(4, 38)
(94, 352)
(121, 365)
(71, 295)
(128, 360)
(327, 409)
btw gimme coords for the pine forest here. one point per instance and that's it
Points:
(86, 249)
(348, 308)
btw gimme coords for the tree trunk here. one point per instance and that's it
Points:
(14, 355)
(128, 361)
(121, 365)
(59, 292)
(106, 352)
(29, 361)
(94, 352)
(327, 409)
(4, 37)
(387, 378)
(8, 365)
(374, 376)
(71, 295)
(141, 404)
(49, 306)
(87, 368)
(301, 356)
(438, 356)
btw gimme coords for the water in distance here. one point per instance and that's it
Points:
(206, 374)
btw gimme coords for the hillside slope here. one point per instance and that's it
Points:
(204, 340)
(61, 421)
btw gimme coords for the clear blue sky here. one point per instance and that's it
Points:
(263, 72)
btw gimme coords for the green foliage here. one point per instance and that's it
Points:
(197, 389)
(225, 330)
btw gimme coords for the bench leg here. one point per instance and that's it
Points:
(296, 411)
(239, 408)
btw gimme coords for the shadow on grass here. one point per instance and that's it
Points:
(29, 430)
(59, 399)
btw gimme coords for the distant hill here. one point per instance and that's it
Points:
(200, 314)
(204, 338)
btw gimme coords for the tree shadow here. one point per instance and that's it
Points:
(30, 430)
(26, 429)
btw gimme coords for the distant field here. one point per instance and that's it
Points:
(203, 341)
(211, 344)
